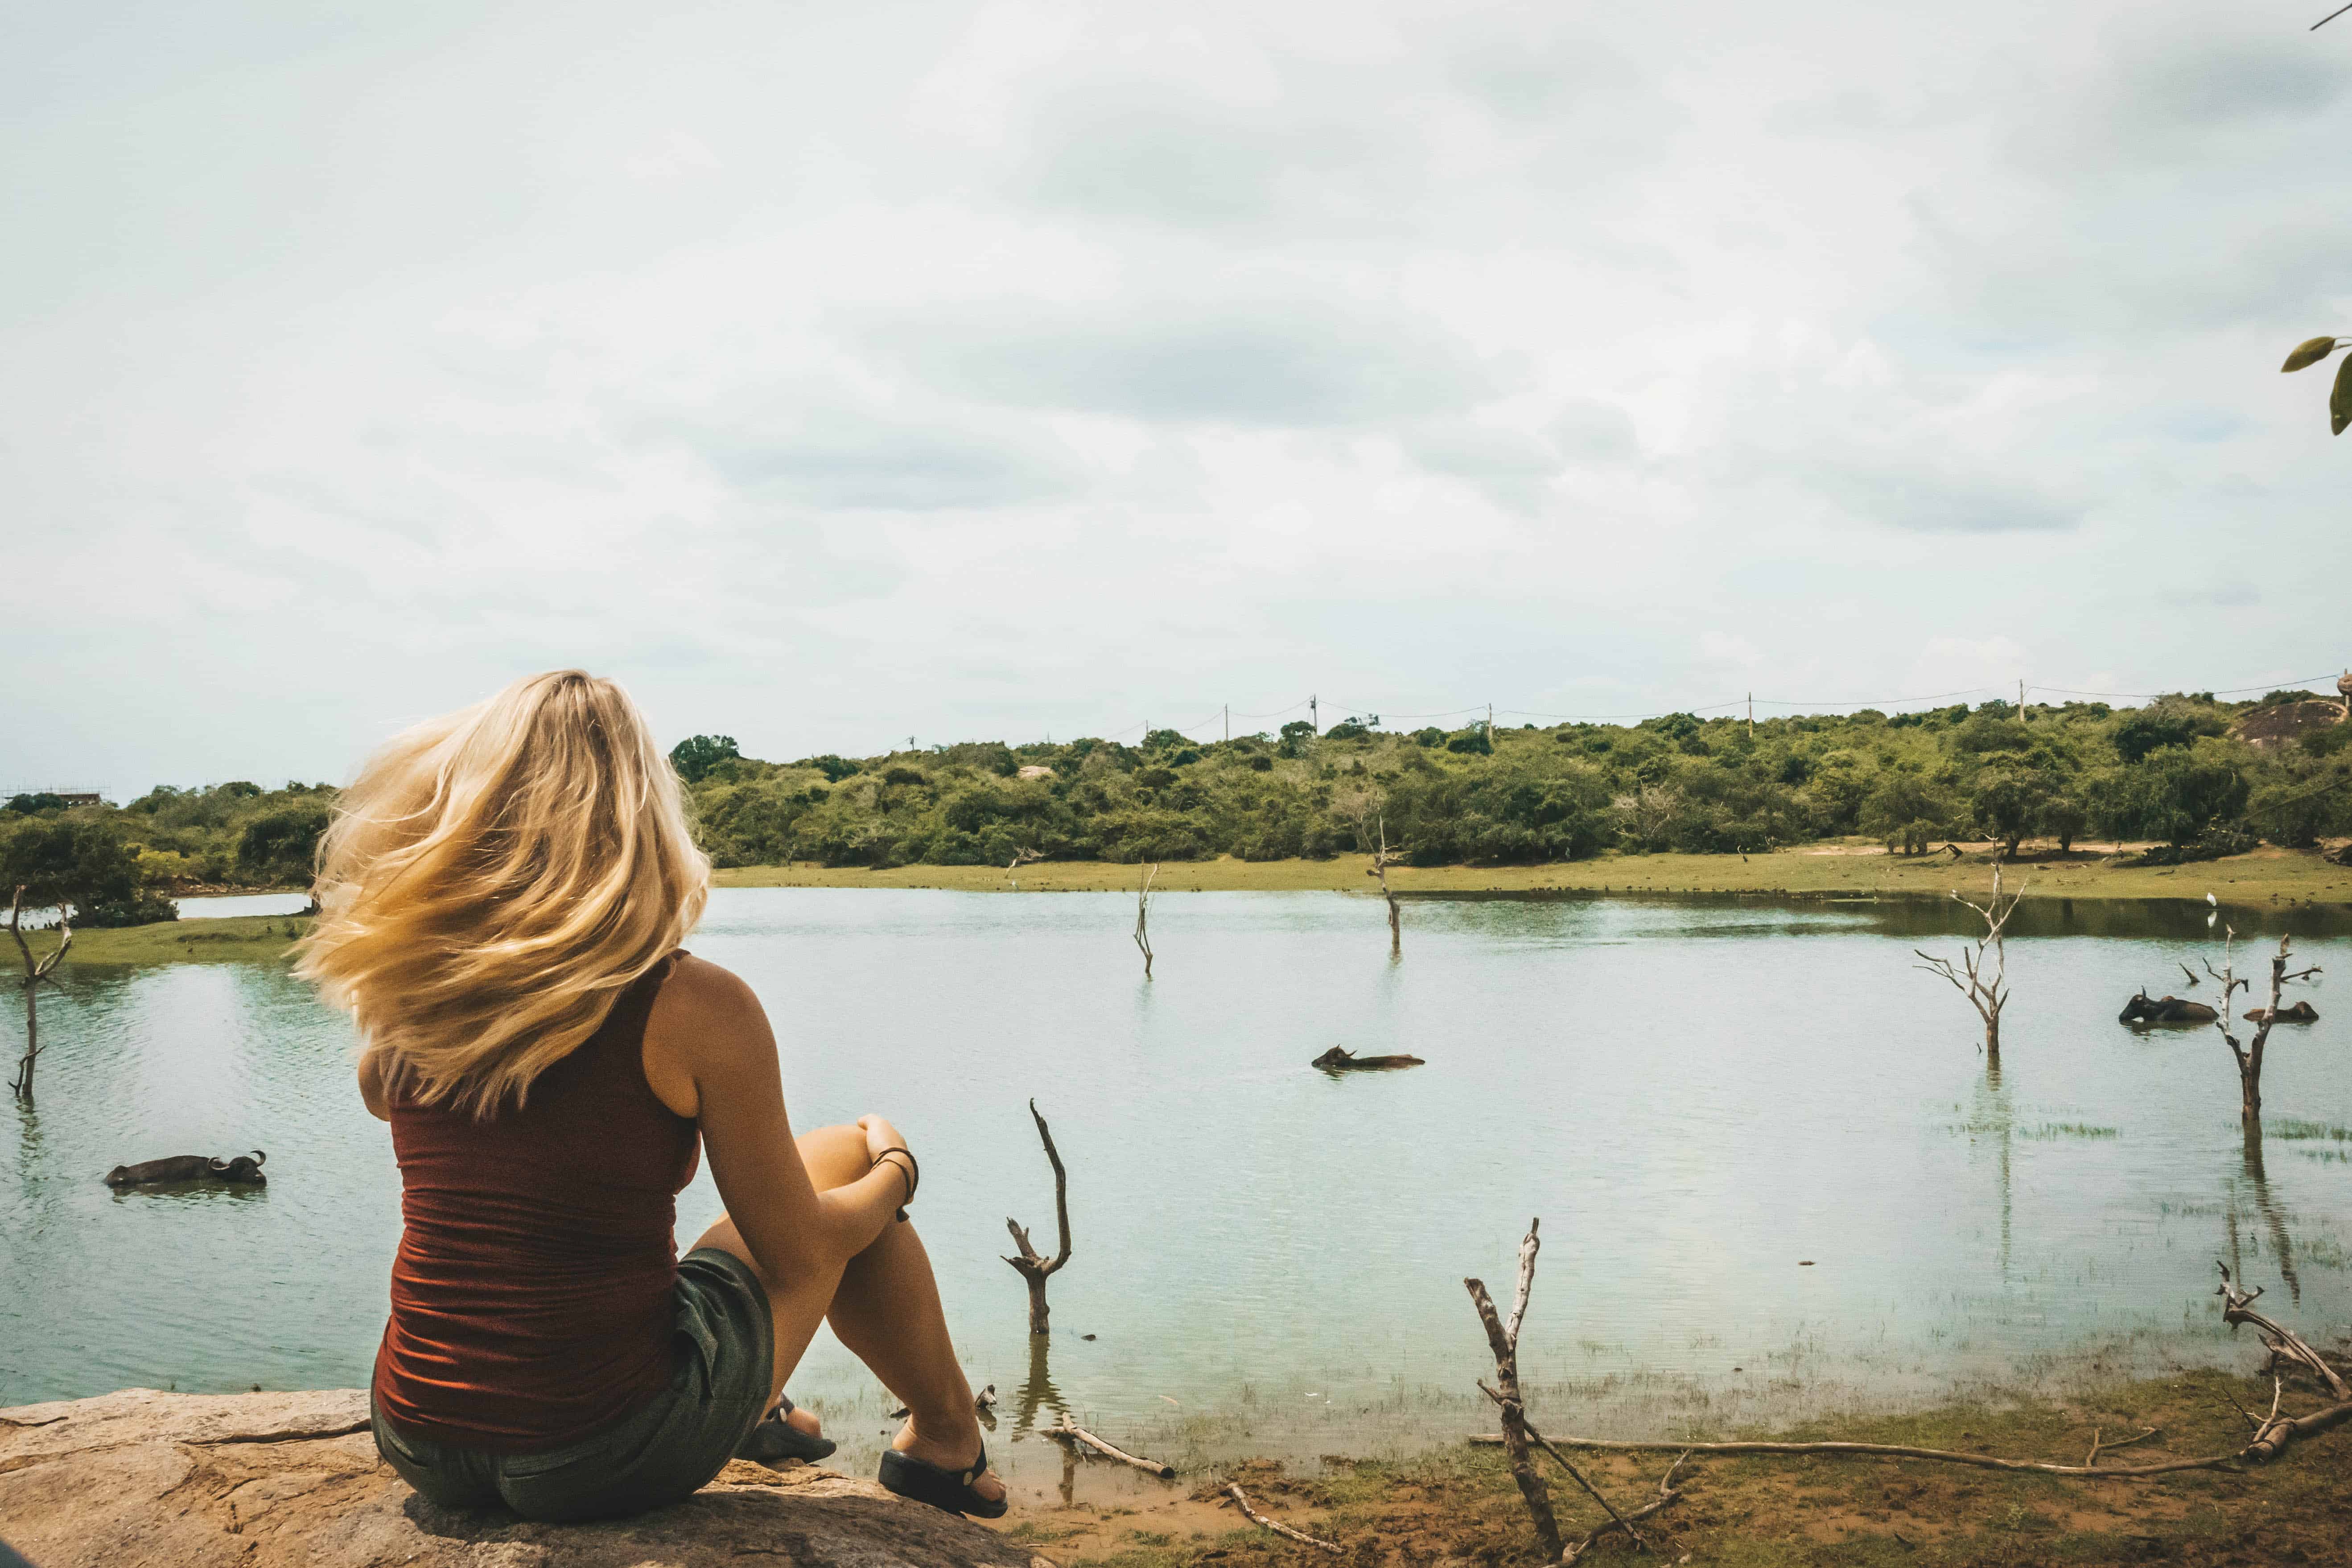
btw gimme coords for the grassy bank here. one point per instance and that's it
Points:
(2266, 876)
(239, 939)
(1461, 1508)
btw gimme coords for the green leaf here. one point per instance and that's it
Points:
(2339, 402)
(2308, 353)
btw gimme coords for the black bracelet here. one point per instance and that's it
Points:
(912, 1175)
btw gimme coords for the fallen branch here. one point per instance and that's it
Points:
(1300, 1536)
(1667, 1494)
(1070, 1431)
(1503, 1341)
(2097, 1447)
(2284, 1344)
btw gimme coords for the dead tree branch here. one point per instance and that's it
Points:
(1020, 857)
(1070, 1431)
(1143, 916)
(1031, 1265)
(2288, 1348)
(35, 972)
(1574, 1474)
(1504, 1342)
(2248, 1057)
(1981, 974)
(1382, 858)
(2098, 1448)
(1235, 1492)
(1668, 1494)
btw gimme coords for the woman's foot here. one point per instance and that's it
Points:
(805, 1422)
(953, 1454)
(785, 1434)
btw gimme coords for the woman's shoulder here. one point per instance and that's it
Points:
(697, 988)
(705, 1019)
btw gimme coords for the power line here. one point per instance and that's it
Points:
(2147, 696)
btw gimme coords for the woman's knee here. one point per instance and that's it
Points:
(835, 1156)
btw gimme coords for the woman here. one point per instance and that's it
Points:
(503, 892)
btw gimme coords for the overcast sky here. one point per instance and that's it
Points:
(831, 375)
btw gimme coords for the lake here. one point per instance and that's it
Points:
(1774, 1176)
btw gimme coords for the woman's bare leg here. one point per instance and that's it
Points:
(884, 1305)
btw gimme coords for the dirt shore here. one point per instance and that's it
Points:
(1459, 1507)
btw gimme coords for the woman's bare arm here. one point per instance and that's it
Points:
(709, 1053)
(372, 1086)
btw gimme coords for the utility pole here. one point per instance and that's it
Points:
(2020, 698)
(1229, 721)
(1751, 716)
(1314, 716)
(1490, 723)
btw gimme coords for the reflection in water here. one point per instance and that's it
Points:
(2273, 1219)
(1281, 1248)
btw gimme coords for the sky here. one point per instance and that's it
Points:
(833, 375)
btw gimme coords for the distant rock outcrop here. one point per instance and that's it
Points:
(291, 1481)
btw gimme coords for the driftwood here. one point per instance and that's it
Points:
(1574, 1474)
(1031, 1265)
(1020, 857)
(1070, 1431)
(2288, 1348)
(1143, 916)
(1235, 1492)
(1984, 982)
(35, 972)
(1503, 1341)
(1339, 1059)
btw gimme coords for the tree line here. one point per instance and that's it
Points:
(2198, 777)
(2195, 776)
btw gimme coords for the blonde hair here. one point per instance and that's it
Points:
(495, 878)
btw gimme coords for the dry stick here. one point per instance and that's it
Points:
(2097, 1447)
(1071, 1431)
(1505, 1343)
(2284, 1344)
(1574, 1474)
(1143, 916)
(1235, 1492)
(1667, 1495)
(1031, 1265)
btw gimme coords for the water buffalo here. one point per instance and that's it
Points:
(2142, 1009)
(1337, 1060)
(2301, 1012)
(244, 1171)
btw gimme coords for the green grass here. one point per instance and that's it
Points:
(2287, 1128)
(2050, 1129)
(239, 938)
(2264, 876)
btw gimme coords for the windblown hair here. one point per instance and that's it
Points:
(494, 879)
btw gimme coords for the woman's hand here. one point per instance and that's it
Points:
(879, 1135)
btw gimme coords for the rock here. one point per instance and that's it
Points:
(260, 1480)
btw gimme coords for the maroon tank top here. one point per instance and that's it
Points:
(531, 1294)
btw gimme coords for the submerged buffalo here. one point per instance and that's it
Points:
(2301, 1012)
(2142, 1009)
(244, 1171)
(1337, 1060)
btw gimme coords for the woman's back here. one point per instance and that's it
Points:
(531, 1297)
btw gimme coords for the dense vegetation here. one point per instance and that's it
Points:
(2181, 772)
(2185, 771)
(115, 865)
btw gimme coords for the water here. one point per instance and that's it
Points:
(1700, 1099)
(220, 906)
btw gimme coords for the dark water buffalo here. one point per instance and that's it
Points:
(244, 1171)
(2301, 1012)
(2142, 1009)
(1337, 1060)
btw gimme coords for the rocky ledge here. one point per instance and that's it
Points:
(191, 1481)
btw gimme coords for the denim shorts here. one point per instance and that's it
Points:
(665, 1450)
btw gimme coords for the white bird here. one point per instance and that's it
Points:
(2212, 900)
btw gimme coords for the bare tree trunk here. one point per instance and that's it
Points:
(35, 972)
(1381, 861)
(2248, 1057)
(1031, 1265)
(1142, 925)
(1503, 1341)
(1982, 973)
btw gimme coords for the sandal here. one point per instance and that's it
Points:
(774, 1440)
(950, 1489)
